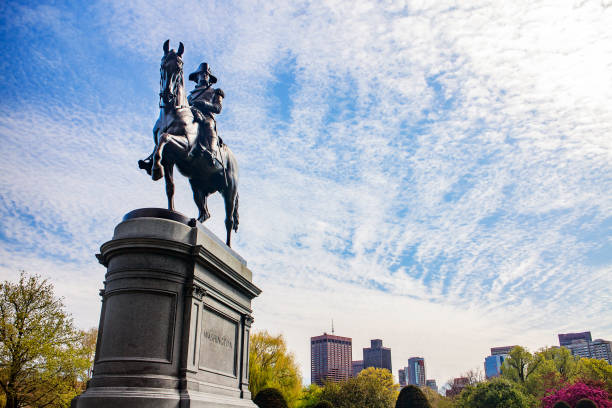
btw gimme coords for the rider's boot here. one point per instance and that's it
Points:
(146, 164)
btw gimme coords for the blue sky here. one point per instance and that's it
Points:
(434, 174)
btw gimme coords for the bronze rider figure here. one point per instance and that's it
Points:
(205, 102)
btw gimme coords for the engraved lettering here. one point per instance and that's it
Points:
(217, 339)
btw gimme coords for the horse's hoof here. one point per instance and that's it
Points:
(157, 173)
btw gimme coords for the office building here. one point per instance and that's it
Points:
(401, 375)
(579, 348)
(493, 363)
(377, 355)
(458, 385)
(330, 358)
(416, 371)
(601, 349)
(432, 384)
(569, 338)
(356, 366)
(501, 351)
(582, 345)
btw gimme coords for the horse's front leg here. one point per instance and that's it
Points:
(157, 170)
(168, 175)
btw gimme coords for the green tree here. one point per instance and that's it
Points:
(310, 396)
(519, 365)
(270, 398)
(411, 396)
(436, 400)
(372, 388)
(271, 365)
(497, 393)
(591, 370)
(554, 366)
(41, 353)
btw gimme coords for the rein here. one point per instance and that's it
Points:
(176, 76)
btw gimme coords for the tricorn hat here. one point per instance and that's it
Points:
(203, 68)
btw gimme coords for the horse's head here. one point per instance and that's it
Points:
(171, 71)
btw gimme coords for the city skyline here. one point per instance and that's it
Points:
(432, 173)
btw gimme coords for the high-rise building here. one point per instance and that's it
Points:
(499, 351)
(579, 348)
(569, 338)
(330, 358)
(432, 384)
(377, 356)
(581, 345)
(493, 363)
(357, 366)
(601, 349)
(416, 371)
(458, 385)
(401, 375)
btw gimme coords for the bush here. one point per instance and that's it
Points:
(561, 404)
(497, 393)
(585, 403)
(573, 393)
(411, 396)
(270, 398)
(324, 404)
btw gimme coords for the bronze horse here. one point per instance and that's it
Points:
(175, 133)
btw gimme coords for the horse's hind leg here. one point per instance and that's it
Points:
(199, 197)
(168, 175)
(229, 195)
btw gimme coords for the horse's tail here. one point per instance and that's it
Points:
(235, 215)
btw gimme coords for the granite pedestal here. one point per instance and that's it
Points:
(175, 321)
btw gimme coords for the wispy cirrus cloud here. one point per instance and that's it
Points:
(403, 165)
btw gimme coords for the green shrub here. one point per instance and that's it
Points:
(562, 404)
(324, 404)
(270, 398)
(585, 403)
(411, 396)
(496, 393)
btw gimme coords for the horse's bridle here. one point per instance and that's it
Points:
(172, 94)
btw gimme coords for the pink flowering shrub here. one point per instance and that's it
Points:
(574, 393)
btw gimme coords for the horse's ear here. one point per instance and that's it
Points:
(166, 47)
(180, 50)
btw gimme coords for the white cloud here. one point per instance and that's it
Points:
(473, 141)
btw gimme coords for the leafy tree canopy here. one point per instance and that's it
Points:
(372, 388)
(271, 365)
(43, 358)
(496, 393)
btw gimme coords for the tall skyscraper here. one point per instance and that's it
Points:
(377, 355)
(416, 371)
(582, 345)
(494, 362)
(569, 338)
(330, 358)
(357, 366)
(601, 349)
(401, 375)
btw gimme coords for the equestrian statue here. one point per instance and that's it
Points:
(185, 135)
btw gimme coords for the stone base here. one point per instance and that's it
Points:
(175, 321)
(130, 397)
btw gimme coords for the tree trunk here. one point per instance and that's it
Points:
(12, 401)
